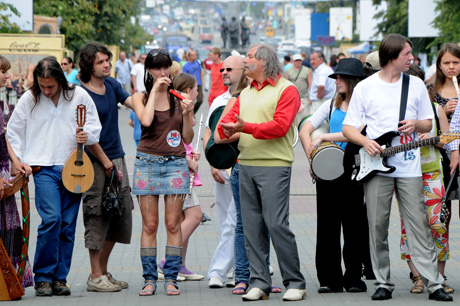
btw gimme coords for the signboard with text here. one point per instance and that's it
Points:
(326, 40)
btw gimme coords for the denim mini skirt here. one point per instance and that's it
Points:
(155, 175)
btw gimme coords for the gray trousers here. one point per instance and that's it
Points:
(264, 195)
(378, 193)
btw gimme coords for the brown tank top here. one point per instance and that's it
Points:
(163, 137)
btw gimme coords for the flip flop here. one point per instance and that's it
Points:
(240, 288)
(148, 291)
(274, 289)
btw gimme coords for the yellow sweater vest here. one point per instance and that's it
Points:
(258, 107)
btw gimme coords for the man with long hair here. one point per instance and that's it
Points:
(102, 231)
(43, 132)
(263, 115)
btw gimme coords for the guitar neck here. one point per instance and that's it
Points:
(79, 160)
(410, 146)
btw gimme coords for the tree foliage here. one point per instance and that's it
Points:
(447, 21)
(396, 20)
(6, 26)
(104, 21)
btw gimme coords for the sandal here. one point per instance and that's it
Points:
(149, 288)
(239, 289)
(448, 288)
(274, 289)
(171, 292)
(418, 285)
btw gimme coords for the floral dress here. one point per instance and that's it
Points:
(433, 193)
(10, 225)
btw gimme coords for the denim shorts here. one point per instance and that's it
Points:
(155, 175)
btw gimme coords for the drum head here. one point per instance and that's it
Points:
(328, 164)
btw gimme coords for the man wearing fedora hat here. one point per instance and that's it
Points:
(376, 102)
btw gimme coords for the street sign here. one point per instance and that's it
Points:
(326, 40)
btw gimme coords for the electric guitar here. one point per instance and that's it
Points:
(78, 171)
(362, 166)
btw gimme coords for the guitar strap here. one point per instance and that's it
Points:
(404, 94)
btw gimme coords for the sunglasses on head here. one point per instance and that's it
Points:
(155, 52)
(228, 69)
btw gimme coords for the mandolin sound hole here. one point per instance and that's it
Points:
(78, 163)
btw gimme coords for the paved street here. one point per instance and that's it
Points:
(125, 262)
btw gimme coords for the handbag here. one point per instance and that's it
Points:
(110, 196)
(220, 155)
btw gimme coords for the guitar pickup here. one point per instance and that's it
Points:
(357, 160)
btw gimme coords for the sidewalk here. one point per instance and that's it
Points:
(125, 260)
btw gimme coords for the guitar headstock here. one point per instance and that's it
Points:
(81, 115)
(449, 137)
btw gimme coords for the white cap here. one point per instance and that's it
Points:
(297, 57)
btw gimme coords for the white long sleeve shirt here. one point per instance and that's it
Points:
(44, 135)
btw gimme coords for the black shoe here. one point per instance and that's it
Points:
(43, 289)
(381, 294)
(440, 295)
(327, 289)
(356, 288)
(324, 290)
(60, 288)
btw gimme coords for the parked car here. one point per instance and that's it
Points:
(273, 41)
(286, 45)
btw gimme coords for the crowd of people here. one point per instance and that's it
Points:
(256, 109)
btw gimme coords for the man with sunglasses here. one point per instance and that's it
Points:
(223, 259)
(102, 231)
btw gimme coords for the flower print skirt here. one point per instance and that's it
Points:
(155, 175)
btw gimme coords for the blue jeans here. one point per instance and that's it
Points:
(241, 258)
(58, 209)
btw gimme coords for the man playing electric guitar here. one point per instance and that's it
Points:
(376, 102)
(43, 132)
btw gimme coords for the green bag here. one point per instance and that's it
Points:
(220, 155)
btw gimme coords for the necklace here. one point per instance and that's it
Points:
(96, 89)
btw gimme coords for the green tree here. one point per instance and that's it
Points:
(77, 19)
(447, 21)
(112, 22)
(6, 26)
(105, 21)
(396, 20)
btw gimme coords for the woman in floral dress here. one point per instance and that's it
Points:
(10, 224)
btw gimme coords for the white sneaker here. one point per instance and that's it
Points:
(215, 282)
(161, 277)
(295, 295)
(101, 284)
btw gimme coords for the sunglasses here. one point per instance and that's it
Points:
(64, 64)
(228, 69)
(155, 52)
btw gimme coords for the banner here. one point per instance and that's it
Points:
(341, 23)
(421, 16)
(367, 22)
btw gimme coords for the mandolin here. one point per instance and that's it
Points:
(78, 171)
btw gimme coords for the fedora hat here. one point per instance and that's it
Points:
(351, 67)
